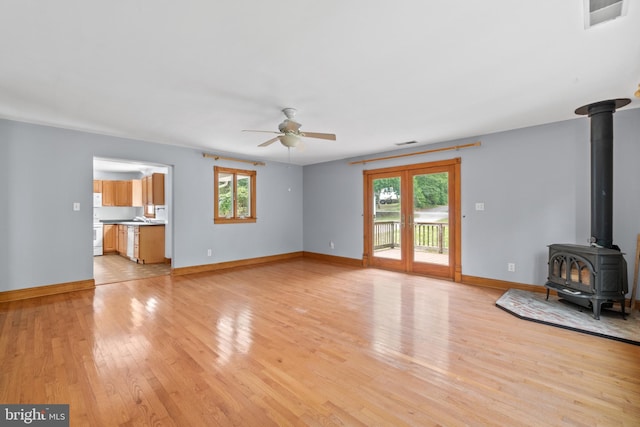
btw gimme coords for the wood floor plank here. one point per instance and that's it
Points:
(302, 342)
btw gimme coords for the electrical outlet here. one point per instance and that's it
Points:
(208, 252)
(331, 244)
(511, 267)
(480, 206)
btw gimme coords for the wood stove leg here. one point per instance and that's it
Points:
(596, 309)
(547, 294)
(622, 304)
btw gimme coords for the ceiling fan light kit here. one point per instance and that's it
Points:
(289, 132)
(289, 140)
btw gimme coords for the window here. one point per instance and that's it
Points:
(234, 195)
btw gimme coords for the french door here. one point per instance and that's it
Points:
(412, 218)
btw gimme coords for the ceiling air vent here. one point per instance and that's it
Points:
(599, 11)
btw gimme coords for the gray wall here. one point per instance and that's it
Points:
(45, 170)
(534, 183)
(5, 182)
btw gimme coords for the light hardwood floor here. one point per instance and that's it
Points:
(113, 268)
(307, 343)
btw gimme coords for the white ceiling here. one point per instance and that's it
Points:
(116, 165)
(197, 72)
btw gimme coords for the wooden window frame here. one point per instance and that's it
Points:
(235, 219)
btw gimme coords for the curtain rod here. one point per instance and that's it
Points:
(216, 157)
(455, 147)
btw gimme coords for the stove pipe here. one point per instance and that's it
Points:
(601, 115)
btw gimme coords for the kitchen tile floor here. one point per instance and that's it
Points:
(115, 268)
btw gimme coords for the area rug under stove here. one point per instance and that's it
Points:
(563, 314)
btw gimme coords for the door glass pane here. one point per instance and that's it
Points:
(386, 218)
(225, 195)
(431, 218)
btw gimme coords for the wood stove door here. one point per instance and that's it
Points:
(412, 218)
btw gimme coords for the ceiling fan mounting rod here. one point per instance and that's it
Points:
(289, 112)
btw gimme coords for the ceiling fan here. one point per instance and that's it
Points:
(289, 132)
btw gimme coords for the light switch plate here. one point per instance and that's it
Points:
(76, 206)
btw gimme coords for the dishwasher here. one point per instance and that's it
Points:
(130, 242)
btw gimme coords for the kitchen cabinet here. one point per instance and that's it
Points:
(109, 238)
(136, 192)
(145, 190)
(123, 193)
(157, 189)
(108, 193)
(153, 189)
(148, 244)
(120, 193)
(122, 240)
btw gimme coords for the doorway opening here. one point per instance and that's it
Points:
(412, 218)
(132, 220)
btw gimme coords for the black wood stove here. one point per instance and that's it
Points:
(594, 276)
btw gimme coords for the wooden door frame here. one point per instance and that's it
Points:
(391, 264)
(455, 216)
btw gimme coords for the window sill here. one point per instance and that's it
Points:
(233, 220)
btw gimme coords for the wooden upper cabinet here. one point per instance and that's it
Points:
(108, 193)
(158, 189)
(120, 193)
(149, 184)
(128, 193)
(153, 189)
(136, 192)
(123, 193)
(145, 190)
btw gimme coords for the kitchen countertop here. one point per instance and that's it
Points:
(129, 222)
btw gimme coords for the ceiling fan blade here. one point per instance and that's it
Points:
(269, 142)
(263, 131)
(318, 135)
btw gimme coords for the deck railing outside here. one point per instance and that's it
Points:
(428, 236)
